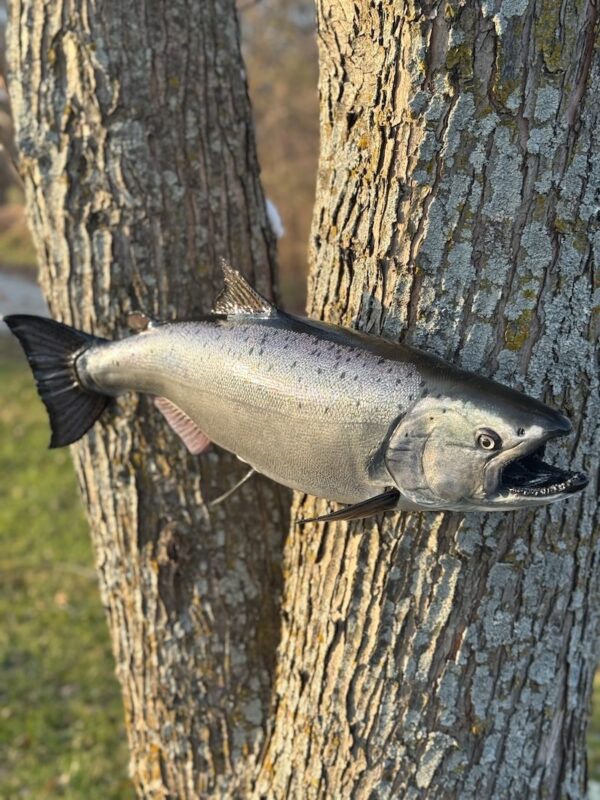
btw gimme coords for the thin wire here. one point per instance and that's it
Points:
(228, 493)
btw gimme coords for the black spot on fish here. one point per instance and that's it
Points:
(381, 360)
(520, 431)
(343, 375)
(319, 370)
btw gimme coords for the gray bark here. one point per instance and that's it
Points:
(458, 206)
(137, 153)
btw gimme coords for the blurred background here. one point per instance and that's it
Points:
(61, 729)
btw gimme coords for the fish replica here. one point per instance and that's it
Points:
(330, 411)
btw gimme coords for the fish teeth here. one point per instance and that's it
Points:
(555, 488)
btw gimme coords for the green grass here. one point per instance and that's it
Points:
(16, 247)
(61, 729)
(593, 741)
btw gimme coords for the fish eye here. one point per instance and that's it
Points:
(488, 439)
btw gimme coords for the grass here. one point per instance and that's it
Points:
(16, 247)
(593, 740)
(61, 729)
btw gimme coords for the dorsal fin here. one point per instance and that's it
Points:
(239, 298)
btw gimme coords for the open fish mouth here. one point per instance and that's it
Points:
(531, 476)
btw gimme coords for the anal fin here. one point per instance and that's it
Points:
(366, 508)
(187, 430)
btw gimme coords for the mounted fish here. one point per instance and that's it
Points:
(329, 411)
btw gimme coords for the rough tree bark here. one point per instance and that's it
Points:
(458, 204)
(138, 157)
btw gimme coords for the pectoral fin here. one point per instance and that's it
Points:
(367, 508)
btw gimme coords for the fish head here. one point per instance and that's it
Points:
(478, 445)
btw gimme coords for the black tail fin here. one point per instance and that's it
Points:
(51, 349)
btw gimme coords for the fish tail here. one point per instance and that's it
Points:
(52, 349)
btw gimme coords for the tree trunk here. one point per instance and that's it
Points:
(442, 655)
(138, 157)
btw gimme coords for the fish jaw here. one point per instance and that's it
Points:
(521, 478)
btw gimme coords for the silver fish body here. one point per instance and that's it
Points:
(332, 412)
(303, 405)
